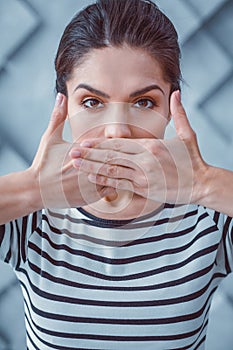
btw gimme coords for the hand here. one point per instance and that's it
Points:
(61, 185)
(161, 170)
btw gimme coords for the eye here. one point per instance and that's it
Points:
(144, 103)
(92, 103)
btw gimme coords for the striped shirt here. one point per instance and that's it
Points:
(91, 283)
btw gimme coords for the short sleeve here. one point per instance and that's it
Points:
(14, 239)
(225, 226)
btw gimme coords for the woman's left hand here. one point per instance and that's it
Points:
(171, 170)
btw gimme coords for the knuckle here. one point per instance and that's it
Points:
(56, 115)
(143, 181)
(109, 156)
(101, 180)
(117, 145)
(147, 166)
(121, 184)
(191, 138)
(146, 144)
(89, 166)
(111, 171)
(156, 147)
(151, 147)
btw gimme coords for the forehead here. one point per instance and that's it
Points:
(118, 67)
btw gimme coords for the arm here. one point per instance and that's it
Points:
(217, 191)
(20, 196)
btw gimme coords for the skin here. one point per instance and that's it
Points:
(106, 84)
(119, 165)
(117, 72)
(117, 108)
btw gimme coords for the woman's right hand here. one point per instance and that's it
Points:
(58, 183)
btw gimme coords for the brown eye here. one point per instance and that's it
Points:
(144, 103)
(92, 103)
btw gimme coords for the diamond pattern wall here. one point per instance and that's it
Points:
(18, 22)
(30, 31)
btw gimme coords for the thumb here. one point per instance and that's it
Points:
(58, 117)
(182, 125)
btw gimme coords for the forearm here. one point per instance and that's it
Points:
(216, 190)
(20, 196)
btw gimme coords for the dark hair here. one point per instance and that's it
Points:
(138, 23)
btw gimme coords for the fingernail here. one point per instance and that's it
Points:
(91, 177)
(75, 154)
(178, 96)
(77, 162)
(59, 99)
(85, 144)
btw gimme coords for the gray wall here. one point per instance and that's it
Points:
(30, 31)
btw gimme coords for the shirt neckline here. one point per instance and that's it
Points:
(120, 222)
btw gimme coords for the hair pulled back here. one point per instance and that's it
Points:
(137, 23)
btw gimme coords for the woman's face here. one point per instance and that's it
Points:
(118, 93)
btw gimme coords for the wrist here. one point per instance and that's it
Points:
(206, 191)
(32, 193)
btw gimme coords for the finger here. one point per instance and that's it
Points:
(107, 170)
(123, 145)
(58, 117)
(182, 125)
(120, 184)
(103, 156)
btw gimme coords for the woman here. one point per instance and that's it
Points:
(111, 237)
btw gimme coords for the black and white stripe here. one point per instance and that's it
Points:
(90, 283)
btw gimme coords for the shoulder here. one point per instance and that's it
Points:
(192, 215)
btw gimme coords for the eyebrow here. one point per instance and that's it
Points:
(134, 94)
(91, 89)
(146, 89)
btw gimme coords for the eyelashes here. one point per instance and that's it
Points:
(95, 104)
(143, 103)
(91, 103)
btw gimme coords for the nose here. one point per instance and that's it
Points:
(117, 130)
(117, 125)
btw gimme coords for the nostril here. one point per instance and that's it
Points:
(117, 130)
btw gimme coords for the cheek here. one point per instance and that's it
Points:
(150, 124)
(82, 126)
(149, 129)
(81, 129)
